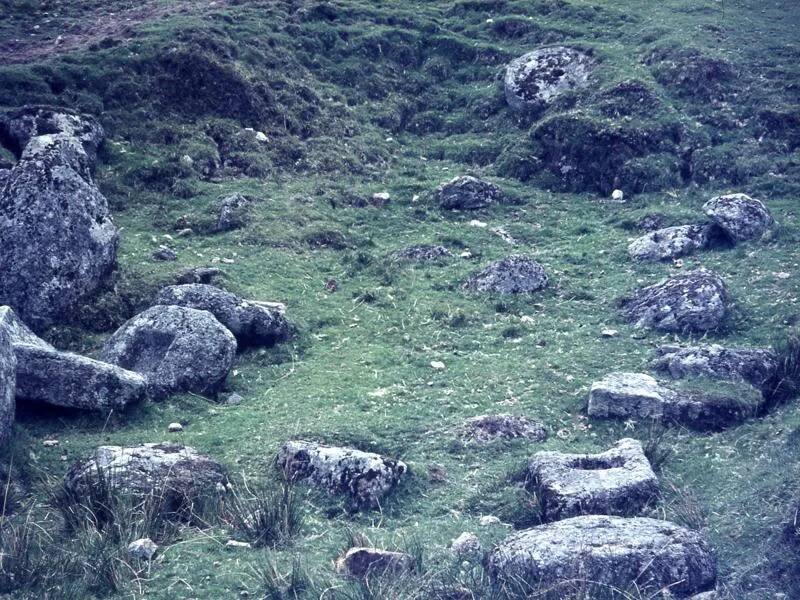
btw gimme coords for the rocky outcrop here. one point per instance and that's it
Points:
(511, 275)
(753, 365)
(670, 242)
(695, 301)
(468, 193)
(534, 79)
(177, 475)
(619, 481)
(233, 212)
(362, 563)
(250, 321)
(640, 396)
(364, 478)
(8, 384)
(59, 241)
(422, 253)
(485, 429)
(739, 216)
(47, 375)
(177, 349)
(612, 552)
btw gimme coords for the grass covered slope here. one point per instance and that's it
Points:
(357, 98)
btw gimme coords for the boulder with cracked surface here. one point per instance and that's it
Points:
(535, 79)
(741, 217)
(513, 274)
(670, 242)
(753, 365)
(468, 193)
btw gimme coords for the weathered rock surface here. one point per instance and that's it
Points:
(619, 481)
(250, 321)
(8, 384)
(467, 546)
(511, 275)
(640, 396)
(364, 477)
(753, 365)
(422, 253)
(177, 349)
(361, 563)
(47, 375)
(670, 242)
(611, 551)
(59, 241)
(178, 474)
(233, 212)
(740, 216)
(695, 301)
(484, 429)
(198, 275)
(142, 549)
(468, 193)
(536, 78)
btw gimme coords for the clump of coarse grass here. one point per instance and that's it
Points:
(784, 382)
(262, 515)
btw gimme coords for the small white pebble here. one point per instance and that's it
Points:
(437, 365)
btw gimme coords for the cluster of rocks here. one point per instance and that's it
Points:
(735, 217)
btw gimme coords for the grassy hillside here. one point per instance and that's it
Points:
(690, 98)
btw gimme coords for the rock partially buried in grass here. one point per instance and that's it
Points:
(485, 429)
(670, 242)
(695, 301)
(739, 216)
(362, 563)
(251, 322)
(142, 549)
(177, 349)
(233, 213)
(468, 193)
(177, 475)
(612, 552)
(753, 365)
(422, 253)
(365, 478)
(536, 78)
(466, 546)
(198, 275)
(511, 275)
(619, 481)
(8, 385)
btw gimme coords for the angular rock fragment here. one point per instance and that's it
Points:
(511, 275)
(753, 365)
(619, 481)
(364, 477)
(362, 563)
(611, 552)
(536, 78)
(250, 321)
(484, 429)
(670, 242)
(739, 216)
(177, 349)
(468, 193)
(695, 301)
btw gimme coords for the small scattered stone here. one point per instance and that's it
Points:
(489, 520)
(437, 365)
(164, 254)
(50, 443)
(234, 398)
(142, 549)
(361, 563)
(175, 427)
(235, 544)
(609, 333)
(617, 195)
(466, 546)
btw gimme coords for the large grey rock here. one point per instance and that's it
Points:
(536, 78)
(753, 365)
(362, 563)
(511, 275)
(695, 301)
(619, 481)
(47, 375)
(364, 477)
(739, 216)
(468, 193)
(640, 396)
(177, 349)
(250, 321)
(484, 429)
(670, 242)
(8, 383)
(612, 552)
(177, 474)
(233, 212)
(59, 241)
(422, 253)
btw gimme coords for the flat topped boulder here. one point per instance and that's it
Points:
(639, 396)
(611, 552)
(739, 216)
(619, 481)
(251, 322)
(511, 275)
(670, 242)
(536, 78)
(468, 193)
(176, 473)
(178, 349)
(365, 478)
(8, 386)
(695, 301)
(485, 429)
(753, 365)
(422, 253)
